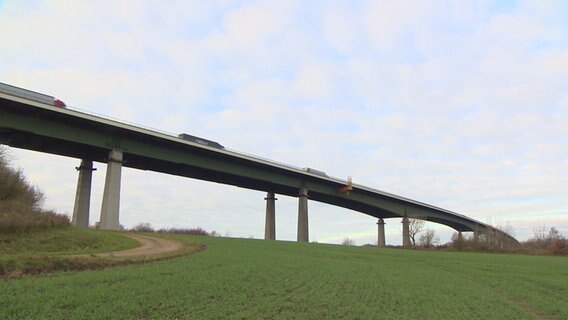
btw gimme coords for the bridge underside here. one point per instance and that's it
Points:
(72, 149)
(67, 148)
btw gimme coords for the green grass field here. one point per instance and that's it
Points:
(253, 279)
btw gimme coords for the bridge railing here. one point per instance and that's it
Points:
(173, 135)
(130, 123)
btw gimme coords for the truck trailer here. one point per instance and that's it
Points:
(31, 95)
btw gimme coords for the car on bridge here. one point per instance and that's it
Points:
(314, 171)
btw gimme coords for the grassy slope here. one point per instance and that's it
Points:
(45, 251)
(63, 241)
(247, 279)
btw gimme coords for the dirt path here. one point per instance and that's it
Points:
(149, 246)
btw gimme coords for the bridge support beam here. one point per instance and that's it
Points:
(303, 233)
(111, 196)
(381, 233)
(270, 220)
(405, 232)
(83, 194)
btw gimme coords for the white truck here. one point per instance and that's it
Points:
(31, 95)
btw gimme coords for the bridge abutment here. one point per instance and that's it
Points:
(270, 220)
(83, 195)
(303, 232)
(111, 196)
(381, 233)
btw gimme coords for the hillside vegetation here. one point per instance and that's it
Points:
(255, 279)
(20, 203)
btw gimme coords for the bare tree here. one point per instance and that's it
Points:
(554, 234)
(415, 226)
(539, 232)
(214, 234)
(428, 238)
(502, 240)
(143, 227)
(347, 241)
(506, 227)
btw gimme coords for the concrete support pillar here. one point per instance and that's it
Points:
(303, 233)
(111, 196)
(270, 220)
(491, 235)
(497, 239)
(405, 232)
(83, 195)
(381, 233)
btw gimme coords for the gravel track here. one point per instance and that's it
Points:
(149, 246)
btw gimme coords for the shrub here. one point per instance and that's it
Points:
(29, 221)
(552, 242)
(15, 189)
(558, 246)
(428, 238)
(143, 227)
(347, 241)
(191, 231)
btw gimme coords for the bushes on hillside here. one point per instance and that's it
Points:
(542, 243)
(547, 242)
(147, 227)
(143, 227)
(16, 192)
(20, 203)
(28, 221)
(192, 231)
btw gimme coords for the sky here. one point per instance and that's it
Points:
(459, 104)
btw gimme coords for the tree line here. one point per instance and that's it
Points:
(544, 241)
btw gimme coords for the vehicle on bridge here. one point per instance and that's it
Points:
(314, 171)
(58, 103)
(199, 140)
(31, 95)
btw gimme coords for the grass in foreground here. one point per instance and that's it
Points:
(250, 279)
(56, 250)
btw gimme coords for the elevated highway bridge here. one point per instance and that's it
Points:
(37, 124)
